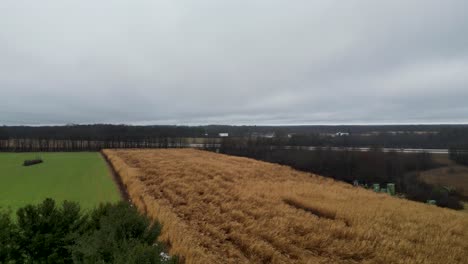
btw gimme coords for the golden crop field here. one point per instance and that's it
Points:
(222, 209)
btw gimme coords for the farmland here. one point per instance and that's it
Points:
(222, 209)
(82, 177)
(451, 175)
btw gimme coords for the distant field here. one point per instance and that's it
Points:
(222, 209)
(82, 177)
(452, 175)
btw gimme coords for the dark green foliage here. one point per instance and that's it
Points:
(116, 233)
(124, 252)
(31, 162)
(47, 233)
(8, 238)
(140, 253)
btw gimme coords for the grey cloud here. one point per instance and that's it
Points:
(240, 62)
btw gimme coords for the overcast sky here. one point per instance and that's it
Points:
(233, 62)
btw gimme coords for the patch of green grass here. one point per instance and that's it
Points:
(82, 177)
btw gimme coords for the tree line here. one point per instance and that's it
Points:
(87, 144)
(97, 136)
(459, 155)
(94, 137)
(442, 138)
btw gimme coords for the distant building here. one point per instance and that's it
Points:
(342, 134)
(223, 134)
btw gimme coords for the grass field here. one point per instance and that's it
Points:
(222, 209)
(82, 177)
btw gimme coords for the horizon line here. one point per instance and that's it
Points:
(258, 125)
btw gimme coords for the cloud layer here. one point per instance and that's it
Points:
(233, 62)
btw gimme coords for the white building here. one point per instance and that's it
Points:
(341, 134)
(223, 134)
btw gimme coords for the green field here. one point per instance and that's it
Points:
(82, 177)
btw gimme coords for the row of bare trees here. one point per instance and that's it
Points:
(459, 154)
(94, 137)
(50, 144)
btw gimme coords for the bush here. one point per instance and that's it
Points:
(47, 233)
(8, 238)
(32, 162)
(117, 233)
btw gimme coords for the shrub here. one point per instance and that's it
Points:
(8, 238)
(118, 233)
(32, 162)
(47, 233)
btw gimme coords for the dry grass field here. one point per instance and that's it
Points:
(452, 175)
(222, 209)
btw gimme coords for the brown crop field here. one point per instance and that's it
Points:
(222, 209)
(454, 176)
(451, 175)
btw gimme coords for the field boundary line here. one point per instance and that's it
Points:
(116, 178)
